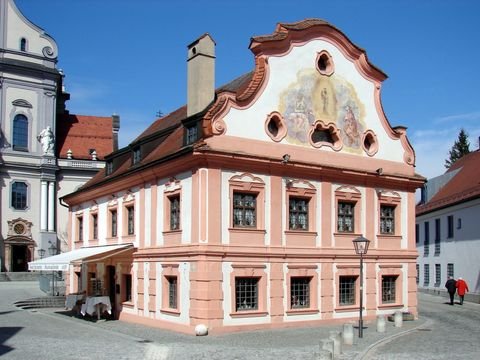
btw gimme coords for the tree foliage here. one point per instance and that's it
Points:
(460, 148)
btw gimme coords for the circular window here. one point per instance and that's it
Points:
(19, 228)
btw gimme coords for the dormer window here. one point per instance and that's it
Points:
(192, 134)
(137, 156)
(109, 167)
(23, 44)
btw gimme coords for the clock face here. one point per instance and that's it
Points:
(19, 228)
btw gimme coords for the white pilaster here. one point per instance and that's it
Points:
(43, 205)
(51, 206)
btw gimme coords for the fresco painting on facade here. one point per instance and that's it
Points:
(328, 98)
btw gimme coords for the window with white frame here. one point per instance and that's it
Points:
(450, 270)
(244, 210)
(113, 222)
(437, 237)
(450, 226)
(246, 293)
(300, 292)
(80, 227)
(130, 220)
(387, 219)
(426, 274)
(172, 291)
(426, 241)
(298, 213)
(174, 212)
(94, 226)
(438, 274)
(346, 288)
(20, 133)
(389, 283)
(345, 217)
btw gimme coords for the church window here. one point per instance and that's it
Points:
(23, 44)
(20, 133)
(19, 195)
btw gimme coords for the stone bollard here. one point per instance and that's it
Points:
(337, 342)
(323, 355)
(398, 319)
(381, 323)
(348, 334)
(327, 344)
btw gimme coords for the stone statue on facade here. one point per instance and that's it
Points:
(46, 138)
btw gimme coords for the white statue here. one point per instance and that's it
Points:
(47, 140)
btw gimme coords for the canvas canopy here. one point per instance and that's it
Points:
(61, 262)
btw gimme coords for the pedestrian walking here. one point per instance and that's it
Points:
(451, 286)
(462, 288)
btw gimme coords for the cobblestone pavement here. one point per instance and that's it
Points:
(55, 334)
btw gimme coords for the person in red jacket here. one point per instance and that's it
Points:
(462, 288)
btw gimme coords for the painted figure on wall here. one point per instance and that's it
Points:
(315, 97)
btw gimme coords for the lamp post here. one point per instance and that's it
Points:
(41, 253)
(361, 248)
(52, 250)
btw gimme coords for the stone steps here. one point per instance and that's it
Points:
(42, 302)
(19, 276)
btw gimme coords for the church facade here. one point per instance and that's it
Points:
(45, 151)
(238, 210)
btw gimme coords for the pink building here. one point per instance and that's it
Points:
(238, 210)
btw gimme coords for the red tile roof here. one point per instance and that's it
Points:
(80, 133)
(464, 186)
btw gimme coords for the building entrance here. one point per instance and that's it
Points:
(20, 258)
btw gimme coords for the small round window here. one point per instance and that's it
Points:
(275, 126)
(370, 143)
(324, 63)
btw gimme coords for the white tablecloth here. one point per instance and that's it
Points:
(90, 306)
(71, 300)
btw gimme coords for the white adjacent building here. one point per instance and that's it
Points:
(448, 230)
(45, 152)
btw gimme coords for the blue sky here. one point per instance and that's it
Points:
(129, 57)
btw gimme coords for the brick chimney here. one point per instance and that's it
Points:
(201, 74)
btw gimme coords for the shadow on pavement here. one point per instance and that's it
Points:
(5, 334)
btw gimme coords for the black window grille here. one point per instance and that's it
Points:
(387, 219)
(426, 274)
(450, 226)
(114, 222)
(244, 210)
(347, 290)
(438, 274)
(174, 212)
(426, 242)
(130, 220)
(80, 228)
(172, 292)
(450, 270)
(389, 289)
(298, 214)
(246, 294)
(345, 219)
(300, 292)
(95, 226)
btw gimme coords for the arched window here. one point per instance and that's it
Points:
(23, 44)
(20, 133)
(19, 195)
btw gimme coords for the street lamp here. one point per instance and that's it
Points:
(361, 248)
(52, 250)
(41, 253)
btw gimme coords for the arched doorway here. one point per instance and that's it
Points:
(19, 245)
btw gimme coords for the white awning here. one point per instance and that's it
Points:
(62, 261)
